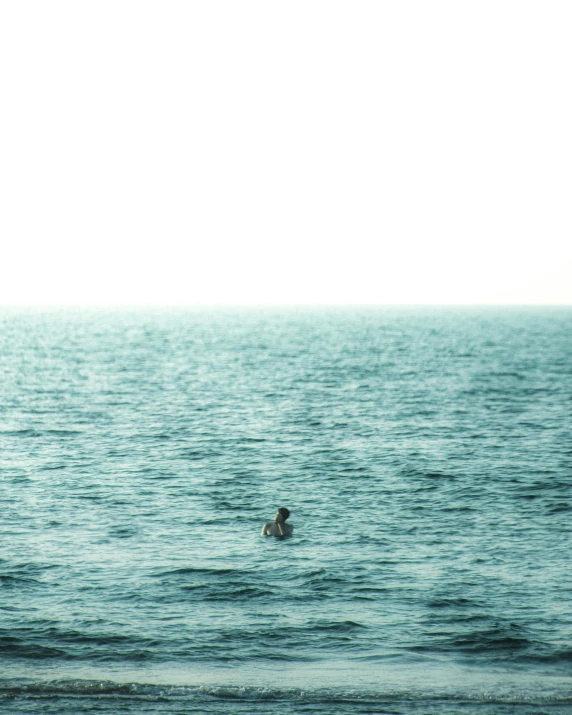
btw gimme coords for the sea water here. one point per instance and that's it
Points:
(425, 455)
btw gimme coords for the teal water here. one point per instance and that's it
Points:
(425, 454)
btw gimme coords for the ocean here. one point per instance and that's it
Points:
(425, 455)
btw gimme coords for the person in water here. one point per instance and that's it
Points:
(278, 527)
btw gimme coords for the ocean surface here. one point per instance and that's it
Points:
(425, 455)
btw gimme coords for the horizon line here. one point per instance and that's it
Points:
(258, 306)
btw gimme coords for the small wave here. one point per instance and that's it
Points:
(197, 695)
(486, 642)
(15, 648)
(231, 592)
(558, 656)
(40, 433)
(188, 570)
(21, 433)
(492, 642)
(192, 453)
(450, 602)
(63, 432)
(559, 507)
(11, 581)
(336, 626)
(123, 532)
(461, 508)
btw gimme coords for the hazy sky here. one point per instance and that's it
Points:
(285, 152)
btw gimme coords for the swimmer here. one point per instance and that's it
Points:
(278, 527)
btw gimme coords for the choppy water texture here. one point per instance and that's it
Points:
(426, 456)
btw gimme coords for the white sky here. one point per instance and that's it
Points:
(287, 152)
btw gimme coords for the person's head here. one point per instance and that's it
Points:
(283, 513)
